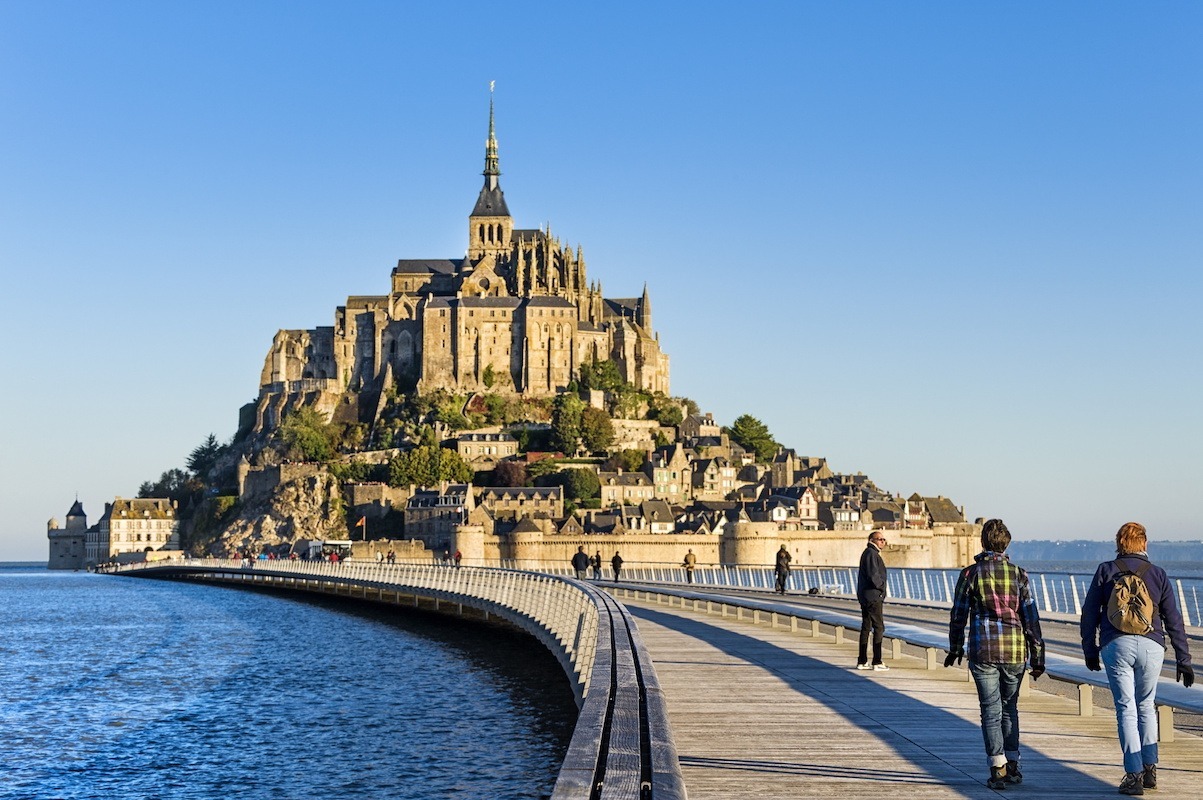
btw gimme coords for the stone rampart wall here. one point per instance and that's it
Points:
(743, 544)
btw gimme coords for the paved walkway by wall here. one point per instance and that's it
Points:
(763, 713)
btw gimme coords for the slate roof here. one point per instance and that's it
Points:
(485, 437)
(491, 203)
(549, 300)
(605, 523)
(490, 302)
(624, 479)
(426, 266)
(147, 507)
(623, 306)
(526, 235)
(526, 525)
(657, 511)
(942, 511)
(365, 300)
(550, 492)
(77, 510)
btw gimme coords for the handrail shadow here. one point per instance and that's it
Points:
(846, 694)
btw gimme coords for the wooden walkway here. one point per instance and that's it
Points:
(763, 713)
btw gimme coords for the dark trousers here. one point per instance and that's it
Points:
(782, 580)
(871, 618)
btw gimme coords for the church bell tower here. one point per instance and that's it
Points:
(490, 224)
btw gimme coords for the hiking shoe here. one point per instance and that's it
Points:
(880, 668)
(1133, 783)
(998, 778)
(863, 666)
(1014, 776)
(1150, 776)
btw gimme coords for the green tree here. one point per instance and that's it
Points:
(603, 375)
(597, 430)
(426, 466)
(666, 410)
(174, 484)
(566, 423)
(753, 435)
(628, 460)
(205, 456)
(578, 484)
(306, 436)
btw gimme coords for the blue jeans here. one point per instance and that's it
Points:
(1133, 664)
(998, 695)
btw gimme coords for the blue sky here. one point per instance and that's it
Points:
(954, 246)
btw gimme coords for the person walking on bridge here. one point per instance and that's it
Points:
(616, 565)
(690, 562)
(993, 597)
(871, 594)
(1128, 610)
(782, 569)
(580, 563)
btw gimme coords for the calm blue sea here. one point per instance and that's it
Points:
(129, 688)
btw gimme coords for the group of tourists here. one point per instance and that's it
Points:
(582, 561)
(1128, 612)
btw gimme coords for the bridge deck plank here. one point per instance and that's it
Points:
(758, 712)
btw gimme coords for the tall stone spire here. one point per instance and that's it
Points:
(489, 224)
(492, 165)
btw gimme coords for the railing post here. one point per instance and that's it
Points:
(1165, 723)
(1085, 700)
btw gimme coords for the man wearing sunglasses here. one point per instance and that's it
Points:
(871, 593)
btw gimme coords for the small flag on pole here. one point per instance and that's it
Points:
(363, 523)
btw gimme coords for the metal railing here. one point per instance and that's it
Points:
(1055, 592)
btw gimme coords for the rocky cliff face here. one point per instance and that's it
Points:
(306, 506)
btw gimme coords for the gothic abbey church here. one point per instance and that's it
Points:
(516, 315)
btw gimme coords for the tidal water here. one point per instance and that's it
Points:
(114, 687)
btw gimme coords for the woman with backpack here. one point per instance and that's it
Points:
(1128, 611)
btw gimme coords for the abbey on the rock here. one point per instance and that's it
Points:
(516, 315)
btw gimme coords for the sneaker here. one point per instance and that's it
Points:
(1014, 776)
(1132, 784)
(880, 668)
(1150, 776)
(863, 666)
(998, 778)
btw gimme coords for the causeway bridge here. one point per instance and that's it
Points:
(717, 692)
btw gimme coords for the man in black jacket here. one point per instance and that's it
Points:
(871, 593)
(580, 562)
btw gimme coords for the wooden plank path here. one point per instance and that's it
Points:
(764, 713)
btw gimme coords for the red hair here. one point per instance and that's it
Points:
(1131, 538)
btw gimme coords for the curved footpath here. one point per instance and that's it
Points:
(622, 746)
(760, 711)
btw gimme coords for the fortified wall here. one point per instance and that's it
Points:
(746, 544)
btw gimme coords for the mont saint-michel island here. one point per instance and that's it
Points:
(502, 407)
